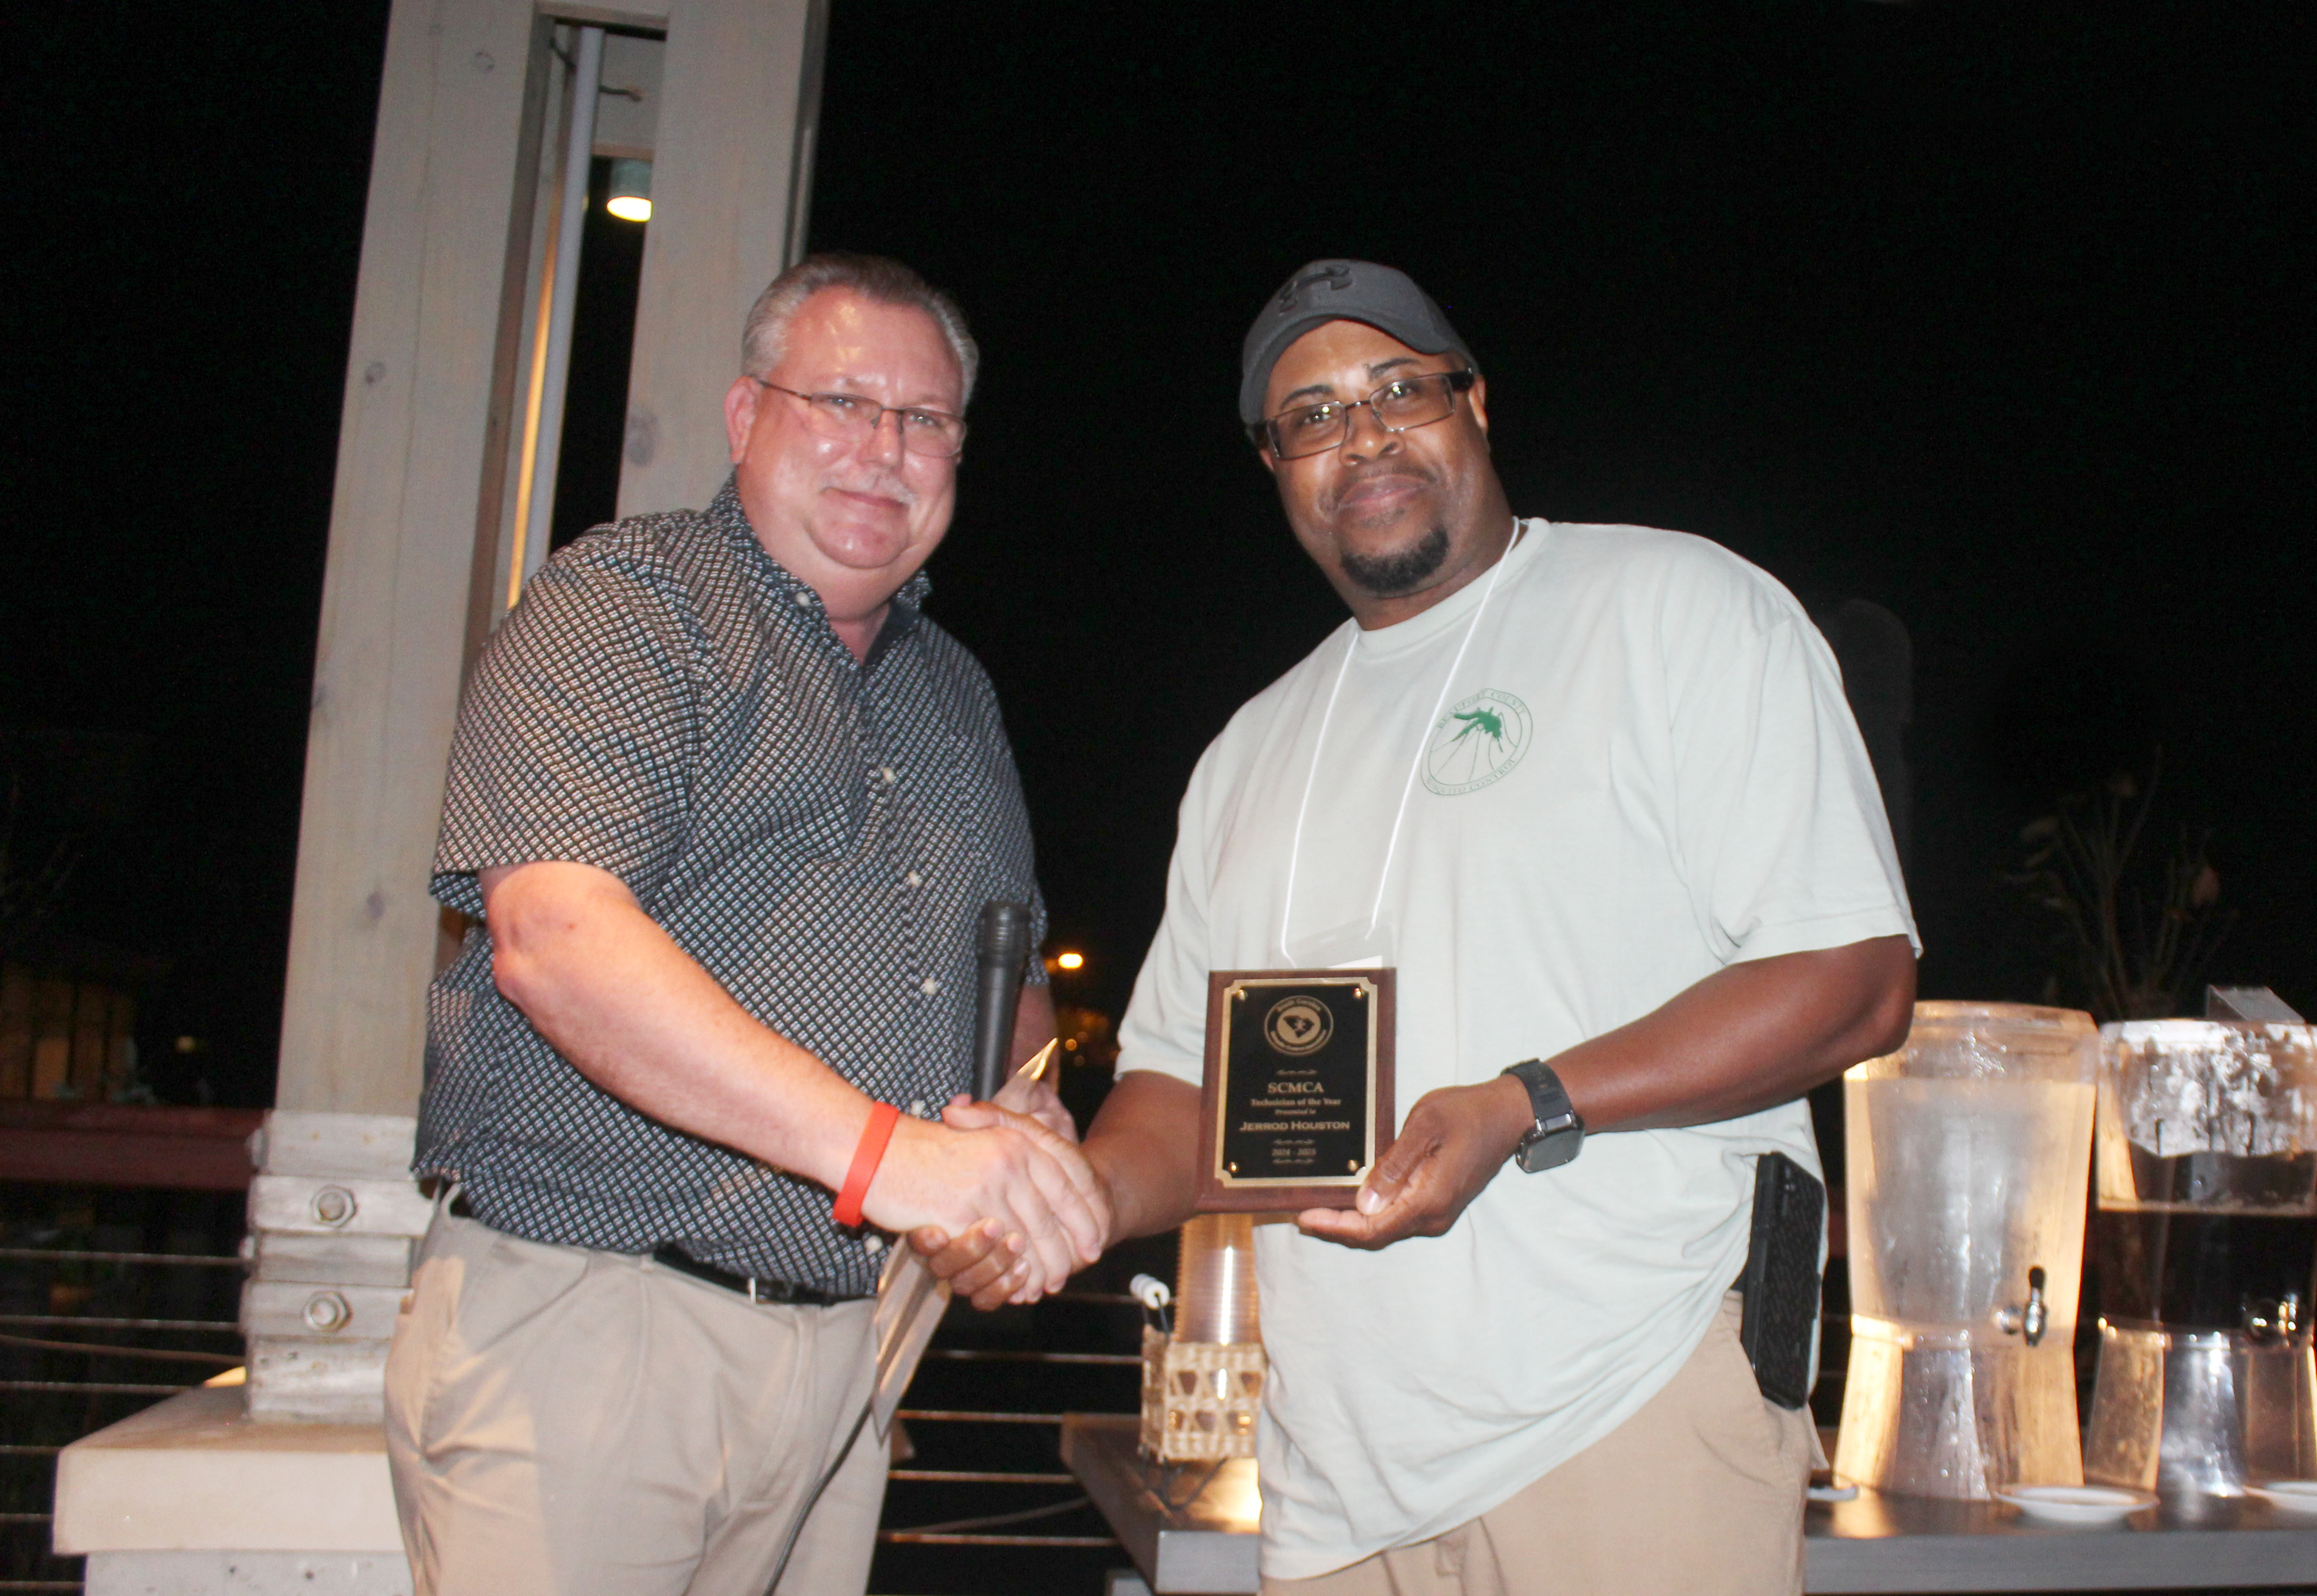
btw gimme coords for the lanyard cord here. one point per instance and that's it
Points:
(1408, 784)
(1423, 738)
(1295, 848)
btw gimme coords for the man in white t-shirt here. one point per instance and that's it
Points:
(1595, 794)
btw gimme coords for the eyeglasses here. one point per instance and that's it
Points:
(851, 417)
(1403, 403)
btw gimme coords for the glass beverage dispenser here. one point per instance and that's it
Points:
(2206, 1239)
(1969, 1160)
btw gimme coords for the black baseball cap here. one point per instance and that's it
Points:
(1339, 290)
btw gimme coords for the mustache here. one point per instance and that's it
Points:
(876, 480)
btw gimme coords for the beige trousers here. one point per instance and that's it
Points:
(1700, 1490)
(567, 1422)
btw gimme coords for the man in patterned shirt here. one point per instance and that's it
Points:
(726, 806)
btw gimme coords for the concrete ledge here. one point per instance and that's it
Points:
(247, 1573)
(196, 1472)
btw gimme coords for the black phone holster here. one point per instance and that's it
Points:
(1780, 1283)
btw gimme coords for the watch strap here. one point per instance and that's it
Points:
(1548, 1099)
(1558, 1131)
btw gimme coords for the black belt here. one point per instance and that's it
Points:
(754, 1288)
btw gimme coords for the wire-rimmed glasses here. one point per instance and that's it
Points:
(851, 417)
(1403, 403)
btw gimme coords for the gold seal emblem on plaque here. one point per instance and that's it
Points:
(1298, 1025)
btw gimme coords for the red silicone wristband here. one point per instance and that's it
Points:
(866, 1157)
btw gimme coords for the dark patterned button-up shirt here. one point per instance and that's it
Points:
(670, 705)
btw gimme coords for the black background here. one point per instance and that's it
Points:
(1992, 314)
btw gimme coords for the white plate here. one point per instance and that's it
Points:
(2294, 1496)
(2075, 1504)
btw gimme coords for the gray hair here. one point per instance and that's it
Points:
(764, 339)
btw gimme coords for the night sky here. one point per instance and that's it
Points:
(1993, 315)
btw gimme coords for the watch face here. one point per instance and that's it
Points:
(1548, 1149)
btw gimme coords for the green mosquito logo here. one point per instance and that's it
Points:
(1477, 741)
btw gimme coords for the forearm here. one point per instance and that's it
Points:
(1744, 1038)
(643, 1021)
(1144, 1147)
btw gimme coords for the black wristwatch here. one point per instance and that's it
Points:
(1559, 1132)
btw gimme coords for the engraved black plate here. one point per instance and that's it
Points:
(1296, 1102)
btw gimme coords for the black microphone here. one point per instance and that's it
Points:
(1001, 951)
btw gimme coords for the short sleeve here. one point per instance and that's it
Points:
(1784, 838)
(577, 735)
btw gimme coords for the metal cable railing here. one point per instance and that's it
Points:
(51, 1380)
(104, 1350)
(974, 1355)
(82, 1255)
(980, 1408)
(84, 1322)
(90, 1333)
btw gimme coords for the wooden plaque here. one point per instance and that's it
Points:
(1296, 1104)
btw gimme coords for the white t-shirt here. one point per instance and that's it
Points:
(1643, 770)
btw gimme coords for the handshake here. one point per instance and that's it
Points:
(997, 1198)
(1002, 1202)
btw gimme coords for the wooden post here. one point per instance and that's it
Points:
(415, 546)
(419, 456)
(730, 178)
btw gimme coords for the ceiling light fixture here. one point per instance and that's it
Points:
(630, 198)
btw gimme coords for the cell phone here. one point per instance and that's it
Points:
(1780, 1284)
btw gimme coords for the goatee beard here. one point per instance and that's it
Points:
(1390, 575)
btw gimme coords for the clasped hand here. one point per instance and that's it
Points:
(1009, 1176)
(1454, 1142)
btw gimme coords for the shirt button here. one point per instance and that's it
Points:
(874, 1245)
(804, 601)
(914, 879)
(917, 1109)
(929, 985)
(886, 775)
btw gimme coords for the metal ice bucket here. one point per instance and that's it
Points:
(2207, 1150)
(2201, 1410)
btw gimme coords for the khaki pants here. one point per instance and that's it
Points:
(567, 1422)
(1700, 1490)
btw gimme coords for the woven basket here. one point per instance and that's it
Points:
(1199, 1398)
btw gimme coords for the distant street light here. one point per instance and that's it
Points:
(1071, 962)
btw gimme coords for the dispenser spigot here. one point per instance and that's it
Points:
(2039, 1314)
